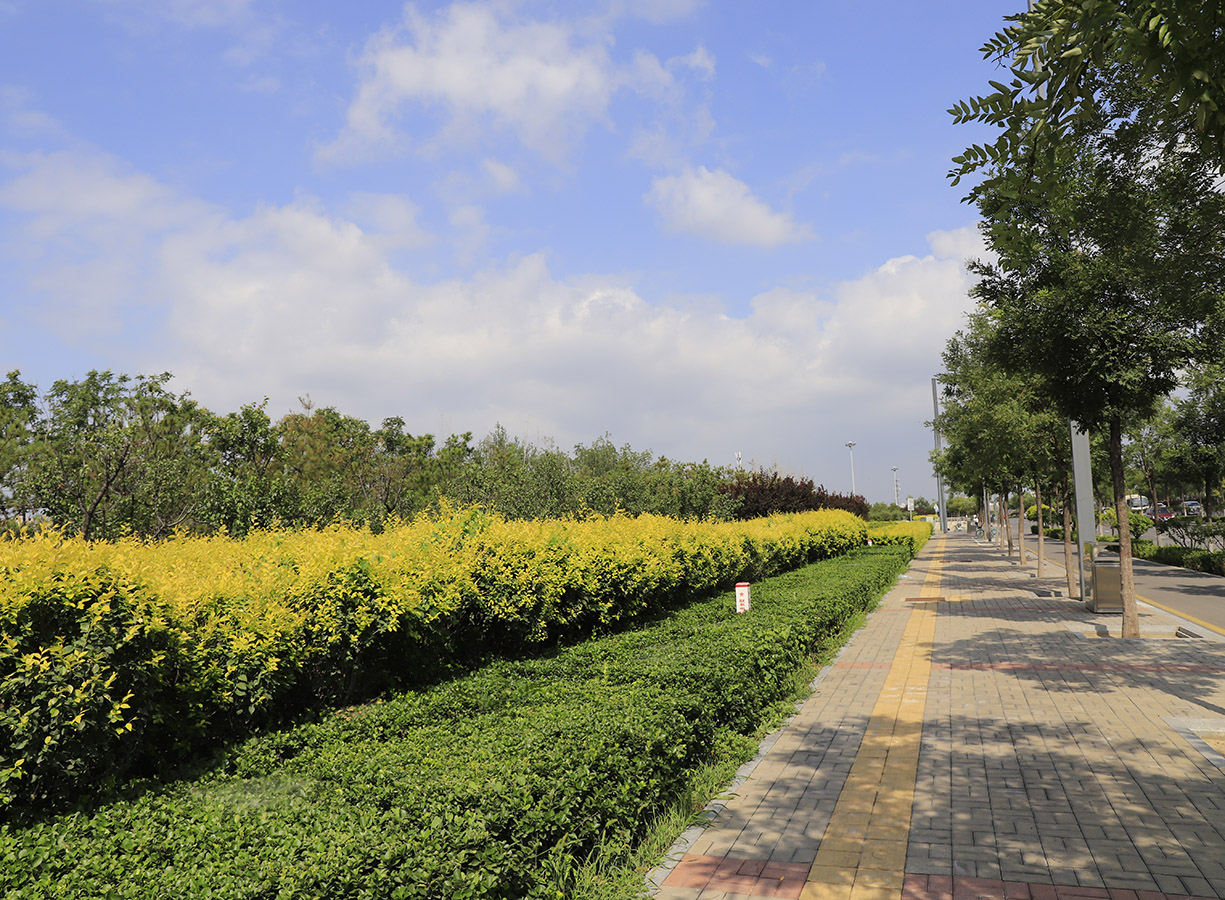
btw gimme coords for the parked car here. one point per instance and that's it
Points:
(1192, 508)
(1163, 513)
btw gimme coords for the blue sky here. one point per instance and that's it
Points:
(705, 228)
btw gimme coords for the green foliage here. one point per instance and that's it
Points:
(84, 665)
(887, 512)
(911, 535)
(1055, 534)
(962, 506)
(521, 481)
(1210, 561)
(205, 638)
(1074, 62)
(495, 785)
(113, 454)
(1031, 513)
(1138, 522)
(18, 413)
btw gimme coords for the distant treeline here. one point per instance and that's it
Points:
(111, 454)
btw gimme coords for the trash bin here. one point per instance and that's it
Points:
(1107, 594)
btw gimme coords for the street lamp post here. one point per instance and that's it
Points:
(850, 445)
(895, 494)
(940, 500)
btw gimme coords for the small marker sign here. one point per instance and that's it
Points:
(743, 604)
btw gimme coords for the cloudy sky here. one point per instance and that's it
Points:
(704, 228)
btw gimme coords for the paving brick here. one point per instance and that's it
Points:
(1019, 750)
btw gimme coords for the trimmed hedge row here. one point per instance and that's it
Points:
(116, 657)
(1210, 561)
(912, 535)
(492, 785)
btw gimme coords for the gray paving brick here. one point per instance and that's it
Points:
(1044, 756)
(1198, 887)
(1170, 884)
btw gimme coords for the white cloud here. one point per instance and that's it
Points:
(471, 233)
(291, 300)
(21, 120)
(503, 178)
(699, 61)
(480, 68)
(960, 244)
(391, 215)
(89, 233)
(717, 206)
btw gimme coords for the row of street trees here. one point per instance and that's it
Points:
(1102, 205)
(109, 455)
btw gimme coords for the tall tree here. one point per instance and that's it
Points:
(118, 454)
(1199, 423)
(247, 488)
(1110, 281)
(18, 418)
(999, 425)
(1073, 61)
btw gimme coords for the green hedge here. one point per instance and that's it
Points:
(493, 785)
(912, 535)
(1210, 561)
(120, 656)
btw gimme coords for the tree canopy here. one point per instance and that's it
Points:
(1072, 61)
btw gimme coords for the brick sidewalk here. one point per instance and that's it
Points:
(980, 737)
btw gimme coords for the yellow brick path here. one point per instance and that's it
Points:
(863, 853)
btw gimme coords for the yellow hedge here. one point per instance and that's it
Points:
(911, 534)
(111, 653)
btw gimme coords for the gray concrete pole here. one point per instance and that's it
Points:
(940, 500)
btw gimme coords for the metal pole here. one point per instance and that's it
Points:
(944, 522)
(895, 494)
(850, 445)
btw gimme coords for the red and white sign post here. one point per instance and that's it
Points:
(743, 604)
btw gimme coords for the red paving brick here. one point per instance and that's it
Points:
(751, 877)
(978, 889)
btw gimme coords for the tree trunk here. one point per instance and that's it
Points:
(1041, 528)
(1068, 559)
(1005, 525)
(999, 522)
(1131, 616)
(1021, 523)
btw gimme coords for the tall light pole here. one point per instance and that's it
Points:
(850, 445)
(944, 522)
(895, 495)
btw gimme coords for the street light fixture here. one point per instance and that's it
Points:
(850, 445)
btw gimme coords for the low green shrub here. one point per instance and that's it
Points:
(1210, 561)
(1055, 534)
(119, 657)
(912, 535)
(491, 785)
(1031, 512)
(1139, 523)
